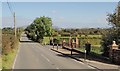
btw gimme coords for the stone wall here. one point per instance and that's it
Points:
(115, 55)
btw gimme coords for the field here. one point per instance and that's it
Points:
(94, 49)
(95, 41)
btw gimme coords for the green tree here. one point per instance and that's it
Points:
(114, 33)
(40, 27)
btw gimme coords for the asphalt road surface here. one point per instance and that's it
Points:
(32, 55)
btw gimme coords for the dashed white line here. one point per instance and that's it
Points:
(78, 61)
(45, 57)
(57, 68)
(83, 63)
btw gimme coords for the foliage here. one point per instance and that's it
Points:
(9, 46)
(84, 31)
(93, 39)
(39, 28)
(94, 49)
(114, 33)
(114, 18)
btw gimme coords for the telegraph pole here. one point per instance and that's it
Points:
(14, 25)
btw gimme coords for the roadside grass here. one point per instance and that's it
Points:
(0, 62)
(7, 60)
(10, 45)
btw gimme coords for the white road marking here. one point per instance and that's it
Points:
(16, 57)
(57, 68)
(45, 57)
(83, 63)
(78, 61)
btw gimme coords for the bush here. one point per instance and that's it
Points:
(108, 39)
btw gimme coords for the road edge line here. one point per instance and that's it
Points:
(16, 56)
(77, 60)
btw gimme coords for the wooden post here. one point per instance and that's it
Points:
(77, 42)
(70, 41)
(63, 43)
(14, 25)
(57, 46)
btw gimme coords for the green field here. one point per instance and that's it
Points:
(93, 39)
(94, 49)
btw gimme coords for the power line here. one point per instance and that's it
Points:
(13, 14)
(10, 8)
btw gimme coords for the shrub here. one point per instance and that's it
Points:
(108, 39)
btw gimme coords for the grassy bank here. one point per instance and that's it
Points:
(9, 52)
(9, 47)
(0, 62)
(7, 60)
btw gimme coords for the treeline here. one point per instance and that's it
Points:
(84, 31)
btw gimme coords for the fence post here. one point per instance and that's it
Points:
(57, 46)
(53, 45)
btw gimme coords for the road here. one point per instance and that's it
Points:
(32, 55)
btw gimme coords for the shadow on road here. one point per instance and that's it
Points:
(61, 55)
(27, 41)
(91, 57)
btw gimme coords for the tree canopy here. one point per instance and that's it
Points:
(40, 27)
(114, 33)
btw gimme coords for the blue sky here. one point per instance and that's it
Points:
(63, 14)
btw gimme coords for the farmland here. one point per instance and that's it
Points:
(95, 41)
(82, 39)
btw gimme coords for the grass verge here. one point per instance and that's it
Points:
(0, 62)
(7, 60)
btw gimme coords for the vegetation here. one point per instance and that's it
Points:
(9, 46)
(83, 31)
(94, 49)
(39, 28)
(114, 33)
(82, 39)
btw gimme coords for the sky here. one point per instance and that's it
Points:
(63, 14)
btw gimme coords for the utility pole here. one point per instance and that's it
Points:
(14, 25)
